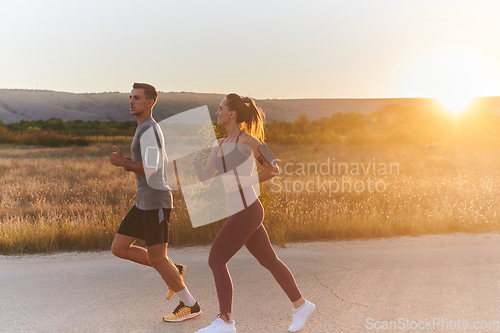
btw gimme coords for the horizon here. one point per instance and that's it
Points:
(216, 93)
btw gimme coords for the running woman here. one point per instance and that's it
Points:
(231, 157)
(148, 219)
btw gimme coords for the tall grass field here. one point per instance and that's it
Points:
(74, 199)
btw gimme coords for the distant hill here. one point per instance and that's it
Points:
(17, 105)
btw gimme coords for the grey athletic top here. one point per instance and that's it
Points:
(147, 198)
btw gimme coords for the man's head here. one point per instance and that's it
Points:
(142, 98)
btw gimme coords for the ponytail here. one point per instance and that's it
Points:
(248, 114)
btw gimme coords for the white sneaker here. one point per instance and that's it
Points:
(300, 316)
(219, 326)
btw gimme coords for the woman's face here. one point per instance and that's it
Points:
(224, 116)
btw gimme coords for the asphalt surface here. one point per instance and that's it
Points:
(431, 283)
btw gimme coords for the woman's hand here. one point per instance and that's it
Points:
(197, 158)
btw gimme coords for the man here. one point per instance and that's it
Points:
(148, 219)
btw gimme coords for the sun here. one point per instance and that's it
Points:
(455, 76)
(455, 104)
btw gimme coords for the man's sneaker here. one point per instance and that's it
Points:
(183, 312)
(219, 326)
(300, 316)
(183, 270)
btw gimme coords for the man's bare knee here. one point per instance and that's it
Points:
(121, 245)
(118, 251)
(154, 261)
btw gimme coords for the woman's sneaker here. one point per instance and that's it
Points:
(183, 271)
(183, 312)
(300, 316)
(219, 326)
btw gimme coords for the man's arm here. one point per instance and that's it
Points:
(126, 163)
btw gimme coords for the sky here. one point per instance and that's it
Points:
(264, 49)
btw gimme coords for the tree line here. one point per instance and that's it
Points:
(59, 133)
(76, 127)
(393, 124)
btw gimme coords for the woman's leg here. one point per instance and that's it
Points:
(260, 247)
(230, 239)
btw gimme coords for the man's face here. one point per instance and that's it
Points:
(138, 102)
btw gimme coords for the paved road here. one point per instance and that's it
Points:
(452, 278)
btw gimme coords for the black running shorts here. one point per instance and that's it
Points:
(148, 225)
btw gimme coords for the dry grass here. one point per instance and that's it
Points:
(73, 199)
(65, 198)
(437, 191)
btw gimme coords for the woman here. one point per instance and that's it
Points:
(232, 156)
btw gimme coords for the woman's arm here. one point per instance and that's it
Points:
(268, 171)
(207, 173)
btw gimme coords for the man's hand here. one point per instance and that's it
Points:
(130, 159)
(117, 158)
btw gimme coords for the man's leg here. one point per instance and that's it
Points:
(188, 308)
(131, 229)
(156, 225)
(158, 259)
(123, 248)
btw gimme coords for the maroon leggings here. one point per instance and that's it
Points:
(245, 228)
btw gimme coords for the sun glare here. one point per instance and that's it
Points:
(454, 103)
(454, 76)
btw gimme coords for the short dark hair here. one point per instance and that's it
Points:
(149, 90)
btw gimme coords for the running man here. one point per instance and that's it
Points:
(149, 218)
